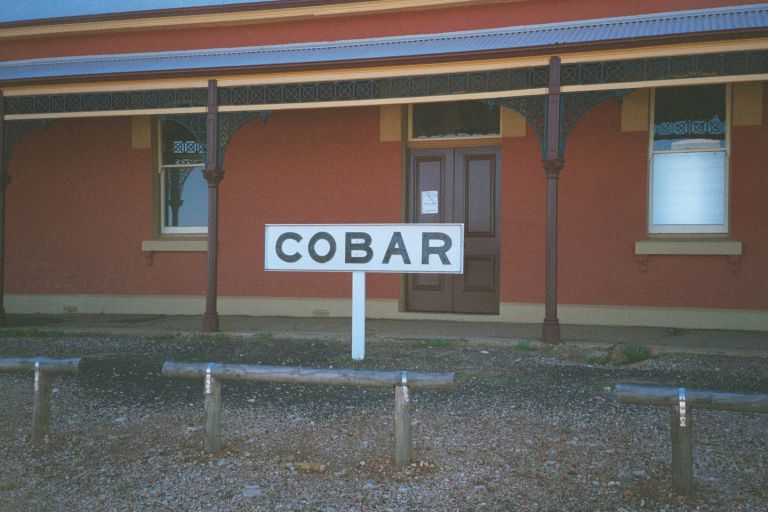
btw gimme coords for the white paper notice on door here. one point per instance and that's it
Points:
(429, 201)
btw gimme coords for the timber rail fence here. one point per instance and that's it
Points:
(45, 370)
(402, 381)
(681, 403)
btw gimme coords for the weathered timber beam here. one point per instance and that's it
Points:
(299, 375)
(697, 399)
(45, 371)
(50, 366)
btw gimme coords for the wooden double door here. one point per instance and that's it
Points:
(458, 185)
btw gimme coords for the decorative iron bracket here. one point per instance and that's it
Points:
(534, 110)
(229, 123)
(195, 123)
(14, 131)
(573, 105)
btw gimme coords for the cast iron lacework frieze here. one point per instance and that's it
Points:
(106, 101)
(385, 88)
(665, 68)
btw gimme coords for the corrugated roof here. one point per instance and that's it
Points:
(15, 11)
(512, 38)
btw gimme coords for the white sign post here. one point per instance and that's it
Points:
(361, 248)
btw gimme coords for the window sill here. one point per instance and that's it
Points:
(689, 246)
(196, 245)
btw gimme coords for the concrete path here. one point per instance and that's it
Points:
(661, 339)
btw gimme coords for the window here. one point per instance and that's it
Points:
(454, 119)
(183, 189)
(689, 161)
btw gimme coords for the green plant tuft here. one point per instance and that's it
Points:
(635, 354)
(523, 346)
(621, 355)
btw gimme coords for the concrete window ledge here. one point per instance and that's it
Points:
(689, 246)
(174, 246)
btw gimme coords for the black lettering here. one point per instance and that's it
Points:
(364, 245)
(427, 249)
(331, 250)
(396, 247)
(288, 258)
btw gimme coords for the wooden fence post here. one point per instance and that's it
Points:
(214, 374)
(402, 423)
(41, 404)
(212, 439)
(682, 446)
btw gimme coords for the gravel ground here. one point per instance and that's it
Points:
(523, 430)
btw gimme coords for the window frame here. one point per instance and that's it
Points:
(161, 167)
(411, 138)
(690, 230)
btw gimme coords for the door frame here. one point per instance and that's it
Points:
(409, 189)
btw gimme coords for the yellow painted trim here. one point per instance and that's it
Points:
(666, 83)
(452, 142)
(390, 123)
(671, 50)
(386, 101)
(690, 246)
(232, 18)
(747, 104)
(141, 132)
(127, 86)
(111, 113)
(174, 245)
(513, 123)
(635, 111)
(684, 318)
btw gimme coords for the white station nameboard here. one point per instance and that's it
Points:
(397, 248)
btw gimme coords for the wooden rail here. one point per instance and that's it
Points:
(45, 370)
(681, 403)
(402, 381)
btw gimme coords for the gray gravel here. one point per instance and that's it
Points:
(523, 430)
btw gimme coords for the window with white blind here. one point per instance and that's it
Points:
(689, 161)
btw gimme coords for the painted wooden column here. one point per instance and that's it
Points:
(553, 164)
(5, 180)
(213, 175)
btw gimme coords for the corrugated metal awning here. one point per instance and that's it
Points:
(703, 21)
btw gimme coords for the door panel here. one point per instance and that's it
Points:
(430, 177)
(477, 205)
(458, 185)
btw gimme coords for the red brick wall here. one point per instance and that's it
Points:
(327, 29)
(81, 203)
(78, 208)
(314, 167)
